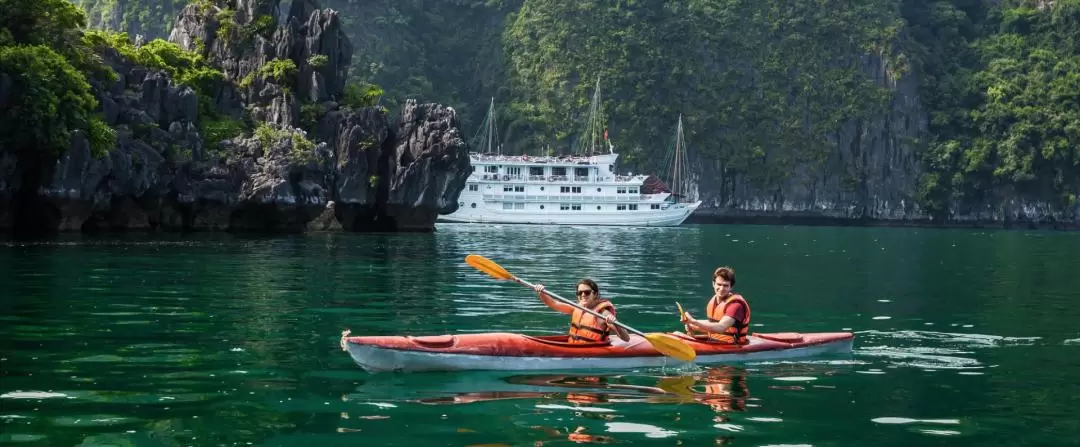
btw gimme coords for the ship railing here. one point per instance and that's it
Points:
(566, 198)
(559, 178)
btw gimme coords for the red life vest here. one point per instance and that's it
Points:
(736, 333)
(588, 328)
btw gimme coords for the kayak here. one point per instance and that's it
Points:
(519, 352)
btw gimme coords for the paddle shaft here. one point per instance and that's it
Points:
(576, 305)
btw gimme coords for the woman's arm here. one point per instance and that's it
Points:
(555, 305)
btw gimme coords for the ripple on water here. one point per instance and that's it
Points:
(900, 420)
(650, 431)
(922, 357)
(795, 378)
(584, 409)
(93, 420)
(967, 340)
(33, 395)
(15, 438)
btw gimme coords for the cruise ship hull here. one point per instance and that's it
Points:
(670, 217)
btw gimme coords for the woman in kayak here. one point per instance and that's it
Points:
(728, 313)
(586, 327)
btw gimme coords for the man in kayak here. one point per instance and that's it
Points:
(586, 327)
(728, 313)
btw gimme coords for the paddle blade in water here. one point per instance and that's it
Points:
(671, 346)
(488, 266)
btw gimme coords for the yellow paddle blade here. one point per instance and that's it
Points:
(671, 346)
(488, 266)
(682, 313)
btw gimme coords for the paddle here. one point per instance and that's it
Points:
(666, 344)
(682, 314)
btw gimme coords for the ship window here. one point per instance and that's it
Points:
(519, 188)
(655, 206)
(581, 172)
(564, 189)
(620, 207)
(558, 171)
(633, 207)
(564, 206)
(536, 170)
(633, 190)
(474, 187)
(575, 207)
(620, 190)
(508, 206)
(516, 170)
(575, 189)
(519, 206)
(491, 169)
(508, 188)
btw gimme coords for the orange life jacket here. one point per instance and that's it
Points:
(588, 328)
(737, 332)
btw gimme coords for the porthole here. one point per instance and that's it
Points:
(474, 205)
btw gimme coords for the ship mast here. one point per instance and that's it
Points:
(595, 134)
(677, 173)
(487, 136)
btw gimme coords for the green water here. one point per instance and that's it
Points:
(962, 338)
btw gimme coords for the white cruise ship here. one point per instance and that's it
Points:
(562, 191)
(568, 190)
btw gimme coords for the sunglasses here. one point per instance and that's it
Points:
(584, 292)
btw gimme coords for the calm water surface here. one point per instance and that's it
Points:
(962, 338)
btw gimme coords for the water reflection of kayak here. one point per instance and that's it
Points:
(517, 352)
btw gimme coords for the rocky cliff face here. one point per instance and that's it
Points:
(361, 170)
(871, 174)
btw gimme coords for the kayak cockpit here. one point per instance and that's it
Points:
(564, 341)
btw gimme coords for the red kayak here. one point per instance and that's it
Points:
(517, 352)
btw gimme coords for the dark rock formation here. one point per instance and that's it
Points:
(871, 174)
(869, 178)
(396, 179)
(363, 173)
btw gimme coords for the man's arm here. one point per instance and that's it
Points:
(709, 326)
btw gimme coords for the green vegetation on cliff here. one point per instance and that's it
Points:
(152, 19)
(52, 62)
(45, 64)
(738, 71)
(1003, 86)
